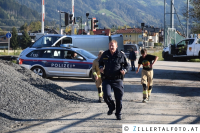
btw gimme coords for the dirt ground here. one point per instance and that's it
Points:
(175, 99)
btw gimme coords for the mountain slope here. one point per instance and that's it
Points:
(108, 12)
(14, 14)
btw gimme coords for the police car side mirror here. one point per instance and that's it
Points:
(80, 58)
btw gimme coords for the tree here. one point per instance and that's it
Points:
(68, 30)
(13, 41)
(26, 40)
(2, 32)
(35, 26)
(91, 33)
(75, 31)
(24, 27)
(194, 15)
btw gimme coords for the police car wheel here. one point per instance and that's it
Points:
(39, 71)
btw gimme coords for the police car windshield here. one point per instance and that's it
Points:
(86, 54)
(45, 41)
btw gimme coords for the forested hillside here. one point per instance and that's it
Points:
(14, 14)
(108, 12)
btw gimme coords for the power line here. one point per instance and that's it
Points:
(178, 19)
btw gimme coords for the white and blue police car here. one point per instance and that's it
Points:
(58, 61)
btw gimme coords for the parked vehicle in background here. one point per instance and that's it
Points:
(127, 49)
(184, 50)
(38, 35)
(58, 61)
(91, 43)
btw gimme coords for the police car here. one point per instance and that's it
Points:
(58, 61)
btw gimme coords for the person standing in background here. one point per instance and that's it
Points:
(132, 58)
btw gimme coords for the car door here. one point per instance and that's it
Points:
(53, 62)
(190, 47)
(74, 66)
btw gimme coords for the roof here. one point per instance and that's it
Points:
(47, 31)
(72, 48)
(152, 29)
(97, 32)
(2, 36)
(129, 30)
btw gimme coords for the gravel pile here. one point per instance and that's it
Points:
(25, 96)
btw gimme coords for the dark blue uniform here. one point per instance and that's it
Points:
(112, 78)
(132, 57)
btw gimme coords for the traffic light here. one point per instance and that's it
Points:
(93, 24)
(68, 19)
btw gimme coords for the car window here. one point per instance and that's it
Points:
(45, 41)
(56, 54)
(191, 41)
(66, 40)
(68, 54)
(86, 54)
(181, 43)
(52, 54)
(35, 54)
(47, 54)
(127, 48)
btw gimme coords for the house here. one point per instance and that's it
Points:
(3, 42)
(106, 32)
(33, 34)
(131, 35)
(153, 35)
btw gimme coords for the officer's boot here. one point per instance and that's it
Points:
(100, 92)
(144, 93)
(111, 107)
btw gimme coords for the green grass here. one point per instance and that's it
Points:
(159, 54)
(5, 52)
(194, 60)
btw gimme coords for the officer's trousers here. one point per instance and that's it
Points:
(118, 88)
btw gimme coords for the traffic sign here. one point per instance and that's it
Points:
(8, 35)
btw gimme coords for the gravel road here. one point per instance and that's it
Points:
(28, 108)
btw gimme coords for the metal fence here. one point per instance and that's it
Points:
(172, 37)
(149, 44)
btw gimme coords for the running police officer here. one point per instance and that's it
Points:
(113, 66)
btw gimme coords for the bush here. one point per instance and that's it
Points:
(157, 44)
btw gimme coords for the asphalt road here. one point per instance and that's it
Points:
(175, 99)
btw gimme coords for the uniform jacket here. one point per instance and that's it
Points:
(113, 63)
(95, 66)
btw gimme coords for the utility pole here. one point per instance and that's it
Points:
(72, 32)
(87, 27)
(60, 23)
(43, 16)
(165, 44)
(172, 14)
(187, 18)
